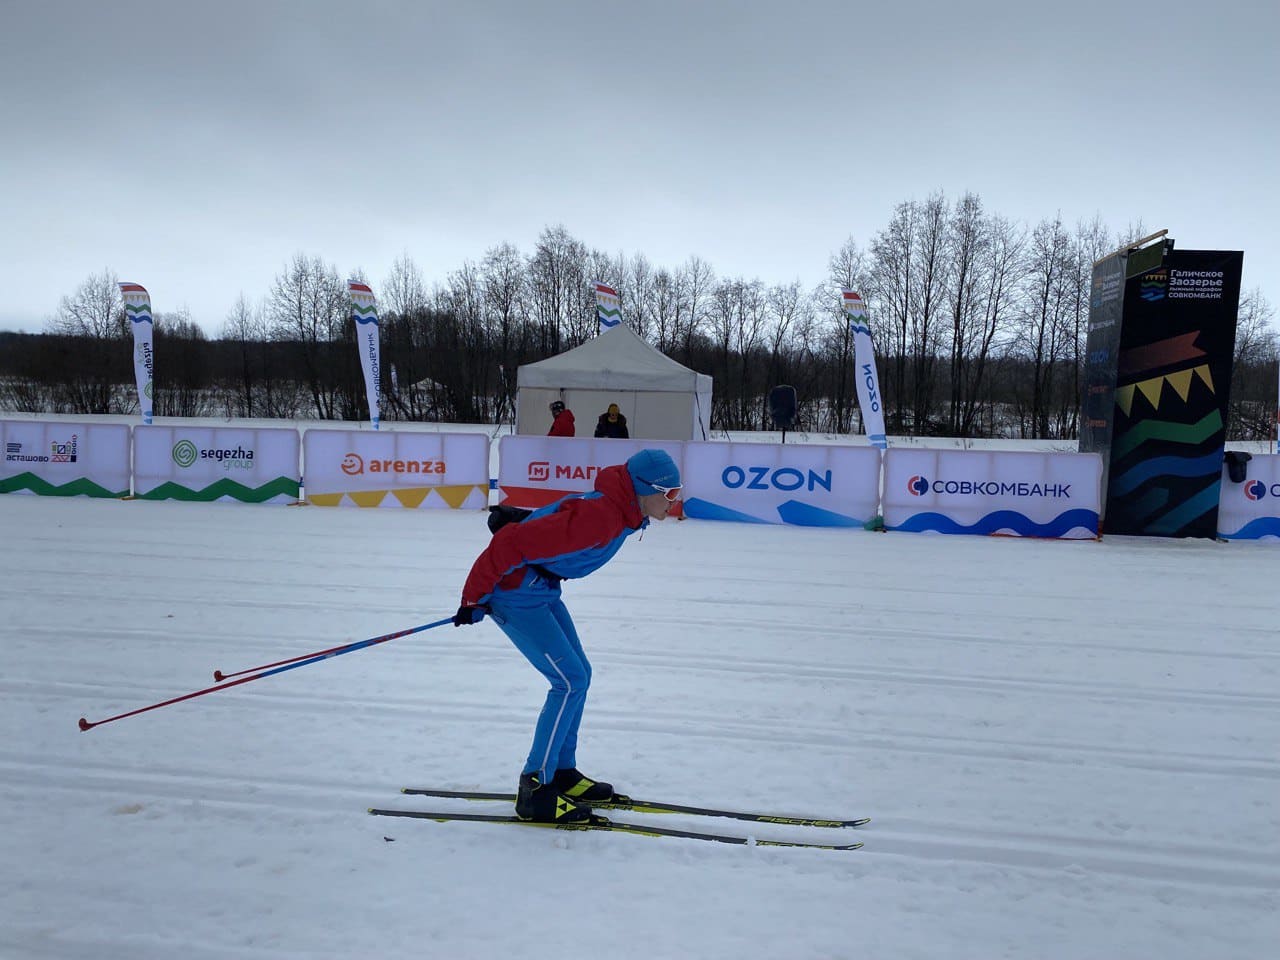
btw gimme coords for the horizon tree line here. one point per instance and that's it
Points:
(979, 324)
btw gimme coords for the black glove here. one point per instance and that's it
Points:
(468, 615)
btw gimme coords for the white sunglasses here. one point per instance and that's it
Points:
(672, 494)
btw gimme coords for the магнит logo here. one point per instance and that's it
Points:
(1255, 489)
(539, 471)
(918, 486)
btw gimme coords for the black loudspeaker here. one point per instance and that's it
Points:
(1237, 465)
(782, 406)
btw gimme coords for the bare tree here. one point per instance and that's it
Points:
(927, 305)
(1002, 272)
(1253, 380)
(664, 308)
(182, 383)
(246, 330)
(967, 246)
(96, 331)
(788, 310)
(506, 293)
(557, 285)
(308, 306)
(890, 285)
(694, 284)
(846, 269)
(1044, 332)
(403, 292)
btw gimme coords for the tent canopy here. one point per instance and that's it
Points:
(661, 399)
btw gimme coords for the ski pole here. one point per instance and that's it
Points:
(292, 664)
(332, 651)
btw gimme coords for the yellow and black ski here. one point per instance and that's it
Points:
(604, 824)
(621, 802)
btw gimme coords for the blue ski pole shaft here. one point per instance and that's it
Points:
(280, 667)
(332, 651)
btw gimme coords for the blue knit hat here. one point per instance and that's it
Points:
(652, 466)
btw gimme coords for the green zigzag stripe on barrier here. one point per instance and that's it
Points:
(81, 487)
(225, 487)
(1164, 430)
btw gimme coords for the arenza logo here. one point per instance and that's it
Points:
(1255, 489)
(918, 486)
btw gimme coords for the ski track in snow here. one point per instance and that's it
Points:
(1062, 756)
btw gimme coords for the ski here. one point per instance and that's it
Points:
(621, 802)
(604, 824)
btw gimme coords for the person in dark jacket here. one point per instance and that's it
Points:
(612, 424)
(516, 580)
(562, 420)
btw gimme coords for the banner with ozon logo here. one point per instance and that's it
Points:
(1251, 510)
(244, 465)
(800, 484)
(64, 458)
(1055, 495)
(401, 469)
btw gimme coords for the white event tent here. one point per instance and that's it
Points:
(661, 399)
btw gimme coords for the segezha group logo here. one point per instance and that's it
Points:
(187, 454)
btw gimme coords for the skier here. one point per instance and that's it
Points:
(561, 420)
(516, 580)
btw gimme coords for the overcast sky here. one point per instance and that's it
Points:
(195, 147)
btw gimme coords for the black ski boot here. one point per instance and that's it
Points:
(576, 786)
(543, 803)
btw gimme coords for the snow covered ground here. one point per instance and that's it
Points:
(1069, 749)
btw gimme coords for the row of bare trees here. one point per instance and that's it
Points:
(979, 321)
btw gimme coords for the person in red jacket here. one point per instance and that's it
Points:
(562, 425)
(516, 581)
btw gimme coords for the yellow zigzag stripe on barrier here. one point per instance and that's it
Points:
(1152, 388)
(412, 497)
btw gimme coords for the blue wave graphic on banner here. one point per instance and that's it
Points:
(705, 510)
(362, 320)
(1207, 466)
(1149, 503)
(1255, 529)
(807, 515)
(1192, 509)
(1022, 525)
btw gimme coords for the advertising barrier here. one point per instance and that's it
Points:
(801, 484)
(535, 471)
(1054, 495)
(64, 459)
(1251, 510)
(436, 471)
(245, 465)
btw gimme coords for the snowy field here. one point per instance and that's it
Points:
(1069, 750)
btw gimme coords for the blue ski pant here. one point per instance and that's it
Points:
(538, 623)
